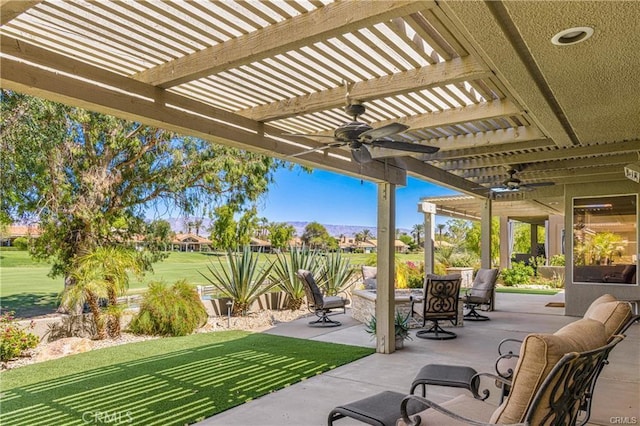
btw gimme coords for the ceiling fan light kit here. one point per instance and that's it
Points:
(360, 137)
(513, 184)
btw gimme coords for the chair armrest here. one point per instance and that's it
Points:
(503, 342)
(501, 382)
(503, 367)
(416, 420)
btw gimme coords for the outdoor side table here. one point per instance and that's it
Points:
(382, 409)
(456, 376)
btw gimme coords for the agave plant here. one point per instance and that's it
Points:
(336, 274)
(285, 269)
(241, 279)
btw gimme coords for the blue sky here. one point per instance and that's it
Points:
(333, 199)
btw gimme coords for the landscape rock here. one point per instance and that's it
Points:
(64, 347)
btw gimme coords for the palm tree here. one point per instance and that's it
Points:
(103, 274)
(366, 234)
(441, 227)
(417, 232)
(197, 224)
(358, 238)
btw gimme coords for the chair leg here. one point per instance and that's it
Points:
(473, 315)
(324, 320)
(436, 332)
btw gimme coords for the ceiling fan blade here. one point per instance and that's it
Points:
(537, 184)
(405, 146)
(381, 132)
(318, 148)
(310, 136)
(361, 154)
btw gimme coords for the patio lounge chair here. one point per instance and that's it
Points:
(554, 376)
(318, 303)
(480, 293)
(613, 314)
(548, 387)
(439, 303)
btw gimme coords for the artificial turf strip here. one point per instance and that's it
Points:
(170, 381)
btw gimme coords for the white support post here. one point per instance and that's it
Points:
(385, 279)
(485, 242)
(485, 235)
(505, 246)
(429, 211)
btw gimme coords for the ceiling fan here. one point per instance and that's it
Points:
(513, 184)
(360, 137)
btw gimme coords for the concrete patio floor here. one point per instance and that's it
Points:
(309, 402)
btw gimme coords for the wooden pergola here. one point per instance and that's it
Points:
(485, 82)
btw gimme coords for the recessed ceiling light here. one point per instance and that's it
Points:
(572, 36)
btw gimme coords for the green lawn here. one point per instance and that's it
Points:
(170, 381)
(26, 289)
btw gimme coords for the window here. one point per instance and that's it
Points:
(605, 245)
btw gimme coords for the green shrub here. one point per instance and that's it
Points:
(14, 340)
(519, 273)
(464, 259)
(21, 243)
(557, 260)
(415, 274)
(169, 311)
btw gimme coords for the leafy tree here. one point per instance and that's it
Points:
(223, 228)
(280, 234)
(458, 229)
(77, 173)
(229, 234)
(407, 240)
(473, 239)
(316, 236)
(159, 234)
(522, 237)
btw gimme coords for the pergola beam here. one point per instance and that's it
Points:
(620, 152)
(9, 9)
(426, 171)
(503, 140)
(454, 71)
(312, 27)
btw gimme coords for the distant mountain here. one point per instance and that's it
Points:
(337, 230)
(180, 225)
